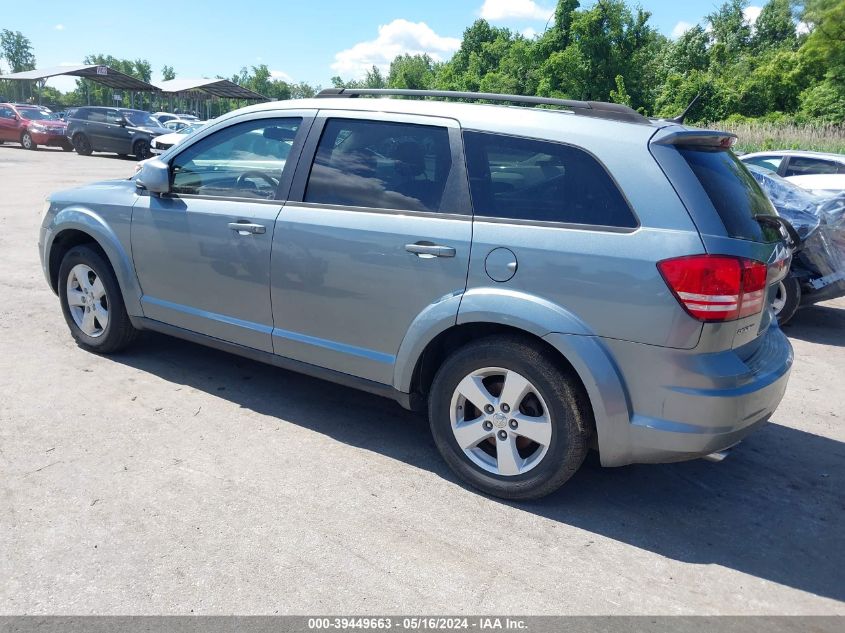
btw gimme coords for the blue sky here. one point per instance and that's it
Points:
(307, 41)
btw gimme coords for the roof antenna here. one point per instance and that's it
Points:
(683, 115)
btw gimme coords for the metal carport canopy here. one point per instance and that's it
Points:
(95, 72)
(222, 88)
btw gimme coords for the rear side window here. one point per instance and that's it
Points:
(381, 165)
(805, 166)
(735, 194)
(526, 179)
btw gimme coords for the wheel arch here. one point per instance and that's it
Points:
(76, 227)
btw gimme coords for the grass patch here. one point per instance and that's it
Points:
(763, 136)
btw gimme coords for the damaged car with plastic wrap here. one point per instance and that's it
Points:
(818, 263)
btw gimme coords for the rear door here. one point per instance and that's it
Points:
(8, 124)
(376, 231)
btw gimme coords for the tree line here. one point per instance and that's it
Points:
(789, 65)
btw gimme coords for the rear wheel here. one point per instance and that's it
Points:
(92, 303)
(787, 300)
(27, 141)
(82, 145)
(507, 419)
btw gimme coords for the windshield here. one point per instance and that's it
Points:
(190, 128)
(140, 119)
(735, 194)
(34, 114)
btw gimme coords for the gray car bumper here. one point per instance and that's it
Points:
(686, 404)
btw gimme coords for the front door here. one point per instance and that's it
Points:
(377, 230)
(202, 252)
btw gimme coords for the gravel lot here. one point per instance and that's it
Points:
(177, 479)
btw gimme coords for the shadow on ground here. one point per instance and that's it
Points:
(822, 324)
(774, 509)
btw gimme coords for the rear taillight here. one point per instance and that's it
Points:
(717, 287)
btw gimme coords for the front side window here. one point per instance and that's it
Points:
(526, 179)
(804, 166)
(140, 119)
(245, 160)
(381, 165)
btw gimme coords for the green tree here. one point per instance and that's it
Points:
(16, 48)
(775, 27)
(414, 72)
(731, 32)
(167, 73)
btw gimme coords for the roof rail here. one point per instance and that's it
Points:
(596, 109)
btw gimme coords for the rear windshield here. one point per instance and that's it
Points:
(734, 193)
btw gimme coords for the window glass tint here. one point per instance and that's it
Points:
(733, 191)
(804, 166)
(6, 113)
(772, 163)
(527, 179)
(380, 165)
(243, 161)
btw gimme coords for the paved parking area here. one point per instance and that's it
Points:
(177, 479)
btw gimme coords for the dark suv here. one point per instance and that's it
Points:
(117, 130)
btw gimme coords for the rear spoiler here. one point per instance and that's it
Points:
(697, 138)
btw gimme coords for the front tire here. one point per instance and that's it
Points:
(141, 149)
(27, 142)
(92, 303)
(787, 300)
(508, 419)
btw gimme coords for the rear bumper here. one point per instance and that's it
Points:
(672, 405)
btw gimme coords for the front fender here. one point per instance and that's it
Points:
(79, 218)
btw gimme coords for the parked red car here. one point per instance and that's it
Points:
(31, 126)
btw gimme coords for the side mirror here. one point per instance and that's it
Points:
(154, 176)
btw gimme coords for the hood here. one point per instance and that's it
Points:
(153, 131)
(47, 123)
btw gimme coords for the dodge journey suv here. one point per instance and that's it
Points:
(540, 281)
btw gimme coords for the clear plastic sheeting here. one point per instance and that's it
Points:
(819, 263)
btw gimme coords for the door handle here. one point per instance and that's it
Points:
(245, 228)
(427, 250)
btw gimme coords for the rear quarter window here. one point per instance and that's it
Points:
(732, 190)
(528, 179)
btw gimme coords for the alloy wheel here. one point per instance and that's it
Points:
(86, 298)
(500, 421)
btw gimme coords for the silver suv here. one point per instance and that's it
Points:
(541, 281)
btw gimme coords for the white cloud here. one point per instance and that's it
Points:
(498, 10)
(59, 27)
(751, 14)
(280, 74)
(397, 38)
(680, 28)
(529, 33)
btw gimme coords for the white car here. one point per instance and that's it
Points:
(177, 124)
(816, 171)
(161, 144)
(164, 117)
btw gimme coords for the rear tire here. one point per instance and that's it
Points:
(82, 145)
(788, 300)
(27, 142)
(524, 449)
(92, 303)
